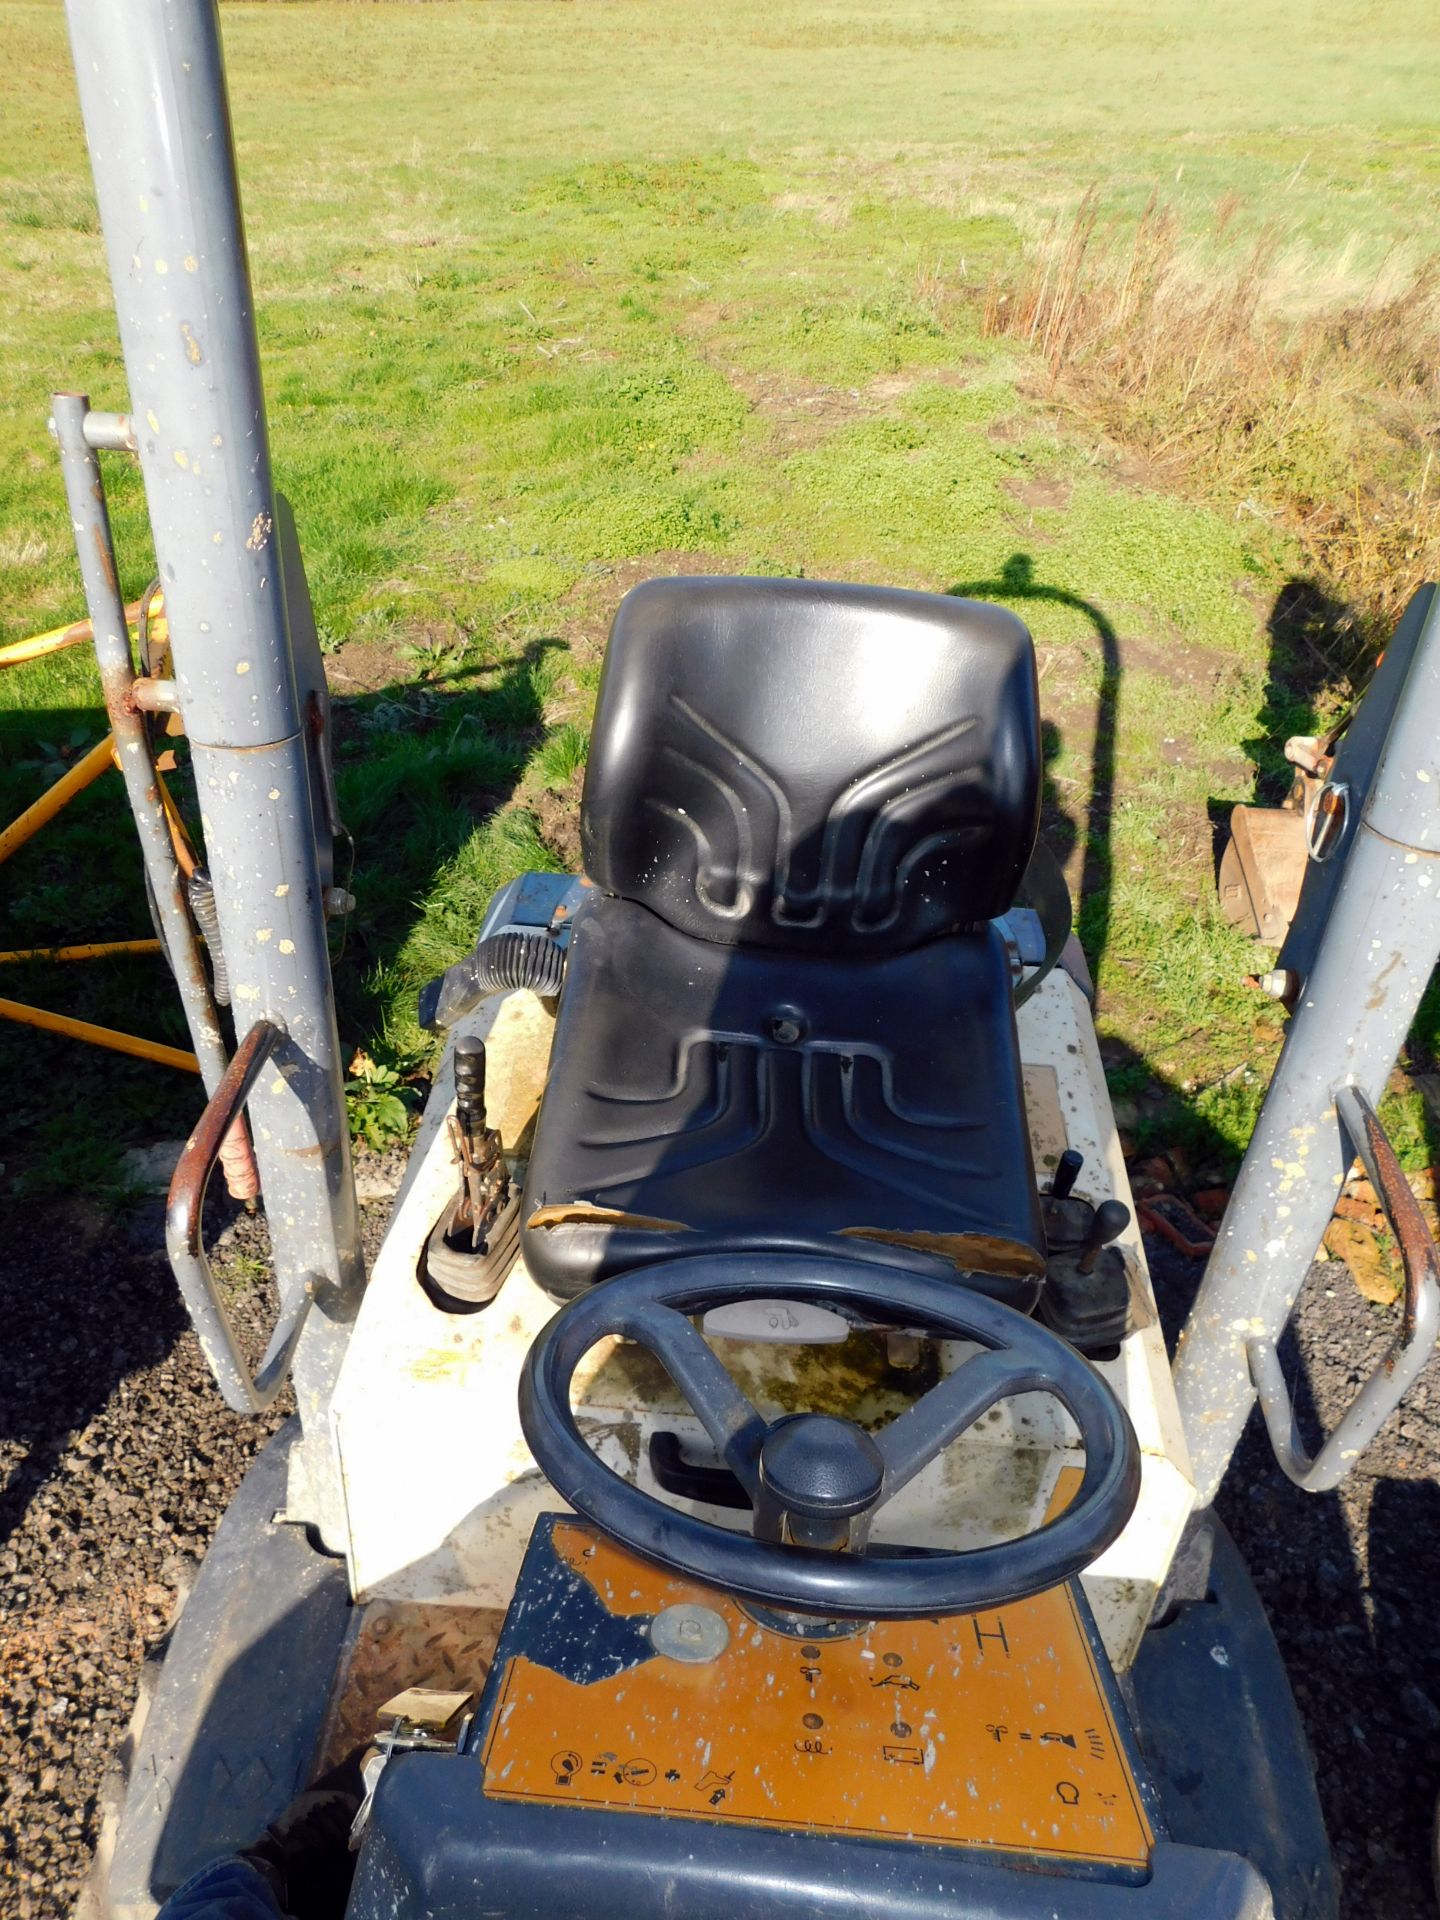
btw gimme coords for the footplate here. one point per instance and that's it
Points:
(618, 1686)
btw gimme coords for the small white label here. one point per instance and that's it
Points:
(778, 1321)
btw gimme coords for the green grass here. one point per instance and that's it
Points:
(552, 296)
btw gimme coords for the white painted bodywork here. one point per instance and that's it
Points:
(440, 1488)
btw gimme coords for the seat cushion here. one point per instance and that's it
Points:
(823, 768)
(704, 1098)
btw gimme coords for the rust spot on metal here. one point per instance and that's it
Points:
(967, 1252)
(1419, 1254)
(186, 1203)
(237, 1158)
(583, 1213)
(106, 558)
(1262, 870)
(1174, 1219)
(402, 1644)
(318, 1153)
(1377, 992)
(147, 695)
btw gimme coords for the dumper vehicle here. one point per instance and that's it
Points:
(751, 1479)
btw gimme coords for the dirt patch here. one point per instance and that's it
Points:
(1178, 659)
(590, 605)
(117, 1459)
(1174, 752)
(367, 666)
(558, 811)
(1137, 471)
(802, 414)
(892, 386)
(1040, 493)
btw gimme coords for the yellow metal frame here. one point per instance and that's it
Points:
(83, 774)
(109, 1037)
(95, 950)
(39, 644)
(27, 824)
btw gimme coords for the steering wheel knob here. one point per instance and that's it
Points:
(821, 1472)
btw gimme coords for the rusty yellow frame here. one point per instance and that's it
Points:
(24, 828)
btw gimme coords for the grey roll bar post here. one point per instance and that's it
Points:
(1363, 947)
(157, 122)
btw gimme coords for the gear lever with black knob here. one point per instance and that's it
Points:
(1067, 1169)
(1111, 1219)
(1086, 1296)
(1065, 1213)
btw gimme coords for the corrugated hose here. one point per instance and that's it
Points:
(202, 905)
(510, 959)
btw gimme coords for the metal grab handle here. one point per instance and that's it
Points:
(1396, 1373)
(184, 1210)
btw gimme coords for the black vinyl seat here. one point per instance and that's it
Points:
(787, 1021)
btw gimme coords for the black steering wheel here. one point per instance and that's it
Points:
(814, 1480)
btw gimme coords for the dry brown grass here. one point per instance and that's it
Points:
(1326, 423)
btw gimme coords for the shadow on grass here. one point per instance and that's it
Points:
(1016, 582)
(1304, 675)
(427, 774)
(1151, 1110)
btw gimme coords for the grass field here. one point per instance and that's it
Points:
(555, 294)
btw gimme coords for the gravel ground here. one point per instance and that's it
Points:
(1349, 1580)
(119, 1458)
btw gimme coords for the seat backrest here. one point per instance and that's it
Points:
(791, 763)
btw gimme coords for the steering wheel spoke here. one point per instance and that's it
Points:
(730, 1419)
(913, 1440)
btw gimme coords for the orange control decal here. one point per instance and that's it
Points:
(988, 1731)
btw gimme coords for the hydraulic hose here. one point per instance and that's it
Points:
(511, 959)
(202, 905)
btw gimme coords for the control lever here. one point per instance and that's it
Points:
(472, 1246)
(1067, 1171)
(1066, 1215)
(716, 1486)
(1086, 1296)
(1111, 1219)
(484, 1183)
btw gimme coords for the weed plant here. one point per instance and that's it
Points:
(1328, 422)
